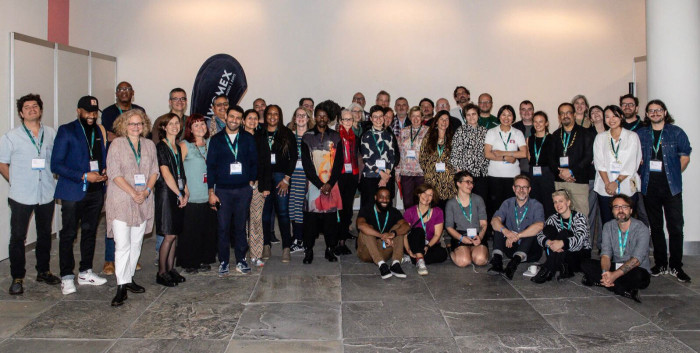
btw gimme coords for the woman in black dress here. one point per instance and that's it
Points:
(539, 149)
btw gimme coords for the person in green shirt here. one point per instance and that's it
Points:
(486, 119)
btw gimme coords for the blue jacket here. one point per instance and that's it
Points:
(70, 159)
(674, 143)
(219, 159)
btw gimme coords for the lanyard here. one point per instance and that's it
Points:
(565, 140)
(561, 222)
(298, 144)
(518, 222)
(137, 155)
(538, 151)
(654, 146)
(230, 146)
(421, 217)
(469, 218)
(176, 155)
(440, 150)
(381, 150)
(41, 141)
(413, 137)
(635, 125)
(271, 139)
(386, 219)
(91, 142)
(505, 143)
(614, 150)
(623, 244)
(204, 155)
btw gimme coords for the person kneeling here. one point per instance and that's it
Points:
(465, 218)
(381, 231)
(422, 244)
(626, 247)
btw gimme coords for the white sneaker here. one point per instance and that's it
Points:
(405, 259)
(422, 270)
(90, 278)
(256, 262)
(67, 286)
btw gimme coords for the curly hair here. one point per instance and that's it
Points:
(188, 135)
(122, 122)
(331, 108)
(431, 139)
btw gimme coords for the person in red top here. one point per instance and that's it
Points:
(348, 180)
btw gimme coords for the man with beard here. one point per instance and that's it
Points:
(630, 109)
(516, 225)
(125, 94)
(79, 160)
(486, 119)
(359, 98)
(462, 97)
(427, 109)
(382, 230)
(401, 120)
(624, 260)
(383, 99)
(527, 113)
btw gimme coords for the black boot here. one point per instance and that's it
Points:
(165, 280)
(308, 256)
(176, 276)
(496, 265)
(565, 272)
(512, 266)
(330, 256)
(121, 295)
(543, 275)
(134, 288)
(633, 294)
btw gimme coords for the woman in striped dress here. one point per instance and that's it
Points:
(301, 122)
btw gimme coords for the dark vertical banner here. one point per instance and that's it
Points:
(220, 74)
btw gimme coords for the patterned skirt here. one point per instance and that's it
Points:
(297, 195)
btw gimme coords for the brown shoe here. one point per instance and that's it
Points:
(138, 266)
(286, 255)
(108, 268)
(266, 252)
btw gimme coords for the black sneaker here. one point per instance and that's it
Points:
(47, 277)
(679, 274)
(397, 271)
(633, 294)
(496, 269)
(384, 271)
(658, 270)
(16, 287)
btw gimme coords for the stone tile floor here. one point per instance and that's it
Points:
(347, 307)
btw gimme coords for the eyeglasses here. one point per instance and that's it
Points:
(219, 105)
(655, 111)
(470, 182)
(621, 207)
(135, 124)
(521, 187)
(345, 119)
(627, 105)
(566, 113)
(179, 99)
(485, 102)
(125, 89)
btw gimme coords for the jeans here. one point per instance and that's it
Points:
(527, 248)
(606, 214)
(280, 204)
(231, 219)
(87, 213)
(109, 249)
(636, 278)
(659, 203)
(19, 223)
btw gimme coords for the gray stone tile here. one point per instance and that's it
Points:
(21, 345)
(106, 292)
(514, 343)
(273, 321)
(16, 314)
(568, 288)
(468, 285)
(671, 312)
(297, 288)
(397, 344)
(33, 290)
(640, 342)
(128, 345)
(319, 267)
(352, 265)
(595, 314)
(373, 287)
(507, 316)
(689, 338)
(666, 285)
(209, 288)
(197, 345)
(186, 321)
(83, 319)
(296, 346)
(393, 318)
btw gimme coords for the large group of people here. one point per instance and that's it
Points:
(464, 177)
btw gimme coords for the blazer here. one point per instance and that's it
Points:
(70, 159)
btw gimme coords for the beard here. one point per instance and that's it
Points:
(622, 218)
(381, 208)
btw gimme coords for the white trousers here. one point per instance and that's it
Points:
(127, 249)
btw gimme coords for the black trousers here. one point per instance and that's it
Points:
(500, 189)
(314, 223)
(435, 253)
(542, 189)
(481, 187)
(659, 202)
(636, 278)
(347, 183)
(527, 246)
(85, 212)
(19, 224)
(198, 241)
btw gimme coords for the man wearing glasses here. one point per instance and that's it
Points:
(217, 121)
(486, 119)
(125, 94)
(624, 260)
(177, 102)
(359, 98)
(629, 105)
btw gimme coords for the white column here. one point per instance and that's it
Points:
(673, 72)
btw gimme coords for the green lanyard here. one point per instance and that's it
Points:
(440, 150)
(298, 144)
(413, 137)
(137, 155)
(505, 143)
(469, 218)
(386, 219)
(204, 155)
(565, 140)
(538, 151)
(519, 221)
(230, 146)
(271, 139)
(176, 155)
(561, 222)
(614, 150)
(654, 146)
(421, 217)
(623, 244)
(381, 150)
(635, 125)
(41, 140)
(91, 142)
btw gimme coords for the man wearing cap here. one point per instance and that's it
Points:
(79, 161)
(25, 154)
(125, 94)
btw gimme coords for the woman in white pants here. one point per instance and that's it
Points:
(132, 168)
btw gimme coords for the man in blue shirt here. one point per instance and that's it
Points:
(25, 161)
(665, 155)
(232, 169)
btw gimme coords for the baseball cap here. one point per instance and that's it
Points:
(89, 103)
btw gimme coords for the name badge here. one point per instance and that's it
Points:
(411, 154)
(563, 161)
(139, 179)
(204, 178)
(440, 167)
(38, 164)
(273, 159)
(299, 165)
(615, 167)
(94, 166)
(180, 184)
(537, 171)
(656, 166)
(236, 168)
(348, 167)
(381, 164)
(618, 265)
(471, 233)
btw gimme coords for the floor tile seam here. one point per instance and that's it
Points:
(235, 327)
(618, 299)
(571, 343)
(35, 317)
(60, 339)
(297, 302)
(141, 314)
(340, 312)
